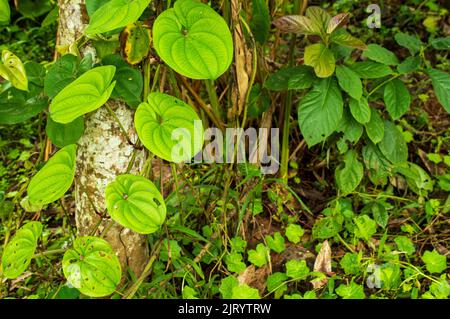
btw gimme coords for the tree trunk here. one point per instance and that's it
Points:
(103, 153)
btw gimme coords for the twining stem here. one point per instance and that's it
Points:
(383, 84)
(213, 99)
(212, 116)
(124, 131)
(50, 252)
(288, 109)
(147, 271)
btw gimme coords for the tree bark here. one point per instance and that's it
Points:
(103, 153)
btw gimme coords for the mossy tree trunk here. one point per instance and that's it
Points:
(103, 153)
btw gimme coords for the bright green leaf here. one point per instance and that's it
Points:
(379, 54)
(169, 128)
(115, 14)
(276, 243)
(194, 40)
(434, 262)
(244, 291)
(92, 266)
(366, 227)
(321, 59)
(13, 70)
(294, 233)
(351, 291)
(260, 256)
(55, 178)
(370, 70)
(135, 203)
(86, 94)
(360, 110)
(297, 269)
(20, 249)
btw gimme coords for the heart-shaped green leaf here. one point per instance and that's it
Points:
(194, 40)
(321, 59)
(86, 94)
(13, 70)
(115, 14)
(19, 251)
(169, 128)
(92, 266)
(135, 203)
(55, 178)
(64, 134)
(5, 12)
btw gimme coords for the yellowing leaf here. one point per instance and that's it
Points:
(136, 38)
(319, 17)
(342, 37)
(321, 58)
(13, 70)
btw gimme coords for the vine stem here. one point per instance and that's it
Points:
(124, 131)
(213, 99)
(382, 84)
(50, 252)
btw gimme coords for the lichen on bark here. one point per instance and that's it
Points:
(103, 153)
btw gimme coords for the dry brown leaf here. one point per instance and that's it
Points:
(323, 264)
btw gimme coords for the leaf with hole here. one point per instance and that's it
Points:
(86, 94)
(135, 203)
(19, 251)
(193, 40)
(13, 70)
(115, 14)
(65, 134)
(136, 41)
(92, 266)
(55, 178)
(169, 128)
(320, 111)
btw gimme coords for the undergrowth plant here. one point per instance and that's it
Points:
(352, 98)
